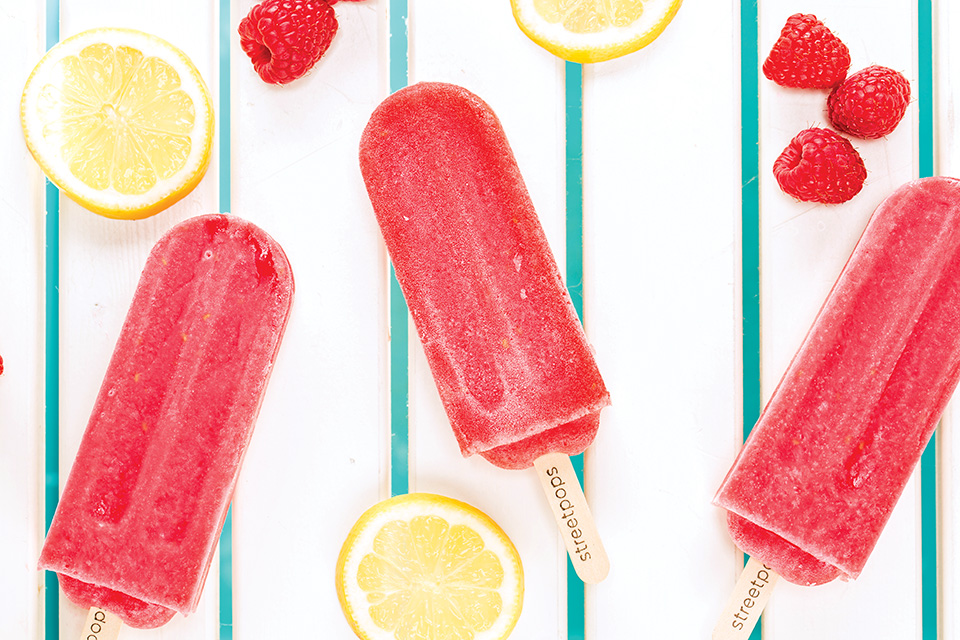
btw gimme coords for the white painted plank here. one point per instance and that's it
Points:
(946, 20)
(101, 260)
(484, 51)
(318, 459)
(804, 247)
(21, 335)
(662, 205)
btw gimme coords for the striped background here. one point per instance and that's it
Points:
(593, 106)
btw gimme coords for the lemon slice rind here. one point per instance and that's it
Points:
(598, 46)
(108, 201)
(359, 542)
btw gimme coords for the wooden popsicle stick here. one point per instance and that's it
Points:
(749, 597)
(569, 506)
(101, 625)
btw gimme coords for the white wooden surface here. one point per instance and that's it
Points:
(662, 285)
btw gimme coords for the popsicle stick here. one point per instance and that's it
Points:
(749, 597)
(570, 509)
(101, 625)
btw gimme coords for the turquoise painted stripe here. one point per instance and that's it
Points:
(925, 86)
(750, 220)
(399, 343)
(52, 35)
(929, 544)
(226, 577)
(224, 126)
(51, 416)
(52, 393)
(750, 212)
(573, 88)
(399, 391)
(399, 45)
(226, 204)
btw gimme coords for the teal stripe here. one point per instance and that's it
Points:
(224, 195)
(226, 577)
(750, 212)
(925, 86)
(52, 359)
(929, 599)
(399, 347)
(52, 34)
(573, 81)
(929, 547)
(750, 219)
(52, 393)
(399, 391)
(223, 117)
(399, 45)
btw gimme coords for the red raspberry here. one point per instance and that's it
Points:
(820, 165)
(870, 103)
(807, 55)
(285, 38)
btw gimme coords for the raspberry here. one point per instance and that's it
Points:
(285, 38)
(820, 165)
(870, 103)
(807, 55)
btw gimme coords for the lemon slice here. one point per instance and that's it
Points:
(427, 567)
(593, 30)
(120, 120)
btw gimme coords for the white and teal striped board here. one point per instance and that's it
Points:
(664, 229)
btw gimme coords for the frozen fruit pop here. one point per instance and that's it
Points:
(142, 508)
(817, 479)
(507, 352)
(506, 349)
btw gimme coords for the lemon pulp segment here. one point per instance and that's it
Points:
(590, 16)
(426, 573)
(120, 120)
(424, 567)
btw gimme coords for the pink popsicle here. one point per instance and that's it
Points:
(817, 479)
(506, 349)
(141, 511)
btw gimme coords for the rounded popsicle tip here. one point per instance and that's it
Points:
(571, 438)
(423, 110)
(206, 231)
(791, 562)
(132, 611)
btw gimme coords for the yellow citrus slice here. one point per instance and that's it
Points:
(427, 567)
(120, 120)
(593, 30)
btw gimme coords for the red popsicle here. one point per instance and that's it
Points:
(839, 438)
(509, 357)
(507, 352)
(822, 470)
(141, 511)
